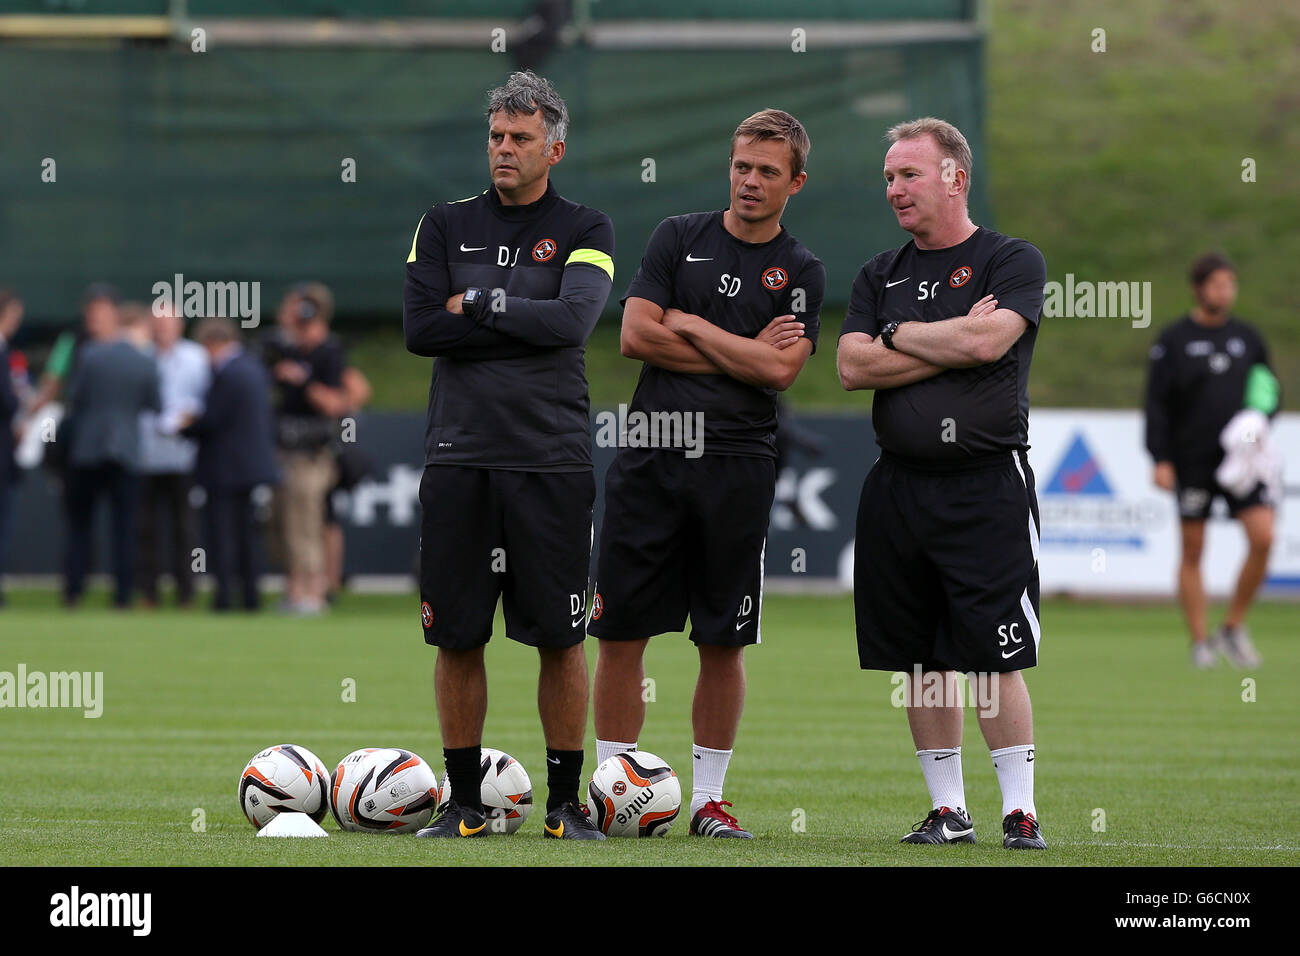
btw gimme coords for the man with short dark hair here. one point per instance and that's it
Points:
(1208, 370)
(308, 373)
(99, 323)
(236, 454)
(724, 312)
(945, 576)
(113, 382)
(503, 289)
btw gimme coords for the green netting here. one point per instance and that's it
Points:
(226, 165)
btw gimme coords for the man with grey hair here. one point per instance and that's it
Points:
(503, 289)
(946, 559)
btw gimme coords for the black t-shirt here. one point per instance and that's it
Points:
(693, 264)
(960, 413)
(323, 364)
(1196, 383)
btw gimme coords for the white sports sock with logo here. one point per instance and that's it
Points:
(1015, 767)
(710, 768)
(942, 769)
(607, 748)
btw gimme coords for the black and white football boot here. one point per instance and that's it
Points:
(943, 825)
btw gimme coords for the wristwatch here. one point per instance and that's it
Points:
(887, 335)
(472, 301)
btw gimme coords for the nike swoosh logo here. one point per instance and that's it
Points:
(955, 834)
(465, 248)
(889, 285)
(1005, 655)
(580, 619)
(1030, 758)
(944, 757)
(741, 624)
(558, 831)
(691, 258)
(466, 831)
(554, 760)
(697, 757)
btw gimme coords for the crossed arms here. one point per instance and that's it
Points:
(924, 349)
(434, 323)
(681, 342)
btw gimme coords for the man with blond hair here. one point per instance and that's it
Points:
(724, 312)
(946, 559)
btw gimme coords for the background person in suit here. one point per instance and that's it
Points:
(113, 382)
(236, 454)
(99, 323)
(11, 316)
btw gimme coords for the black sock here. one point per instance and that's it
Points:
(563, 771)
(466, 775)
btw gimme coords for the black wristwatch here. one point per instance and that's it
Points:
(887, 335)
(471, 302)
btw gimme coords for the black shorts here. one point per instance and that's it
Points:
(519, 535)
(945, 570)
(683, 536)
(1197, 488)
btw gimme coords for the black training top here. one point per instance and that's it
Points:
(509, 390)
(961, 413)
(1196, 383)
(693, 264)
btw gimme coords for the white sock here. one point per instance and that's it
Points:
(1015, 767)
(607, 748)
(942, 769)
(710, 771)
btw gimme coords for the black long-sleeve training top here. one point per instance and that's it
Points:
(509, 389)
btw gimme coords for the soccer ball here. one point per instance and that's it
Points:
(634, 794)
(283, 778)
(506, 791)
(383, 789)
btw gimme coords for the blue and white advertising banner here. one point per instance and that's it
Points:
(1106, 527)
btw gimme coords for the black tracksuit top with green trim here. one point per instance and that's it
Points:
(509, 390)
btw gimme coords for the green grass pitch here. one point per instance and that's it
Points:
(1185, 771)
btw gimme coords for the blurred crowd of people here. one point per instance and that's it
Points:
(159, 426)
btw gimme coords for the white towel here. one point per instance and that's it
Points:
(1249, 457)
